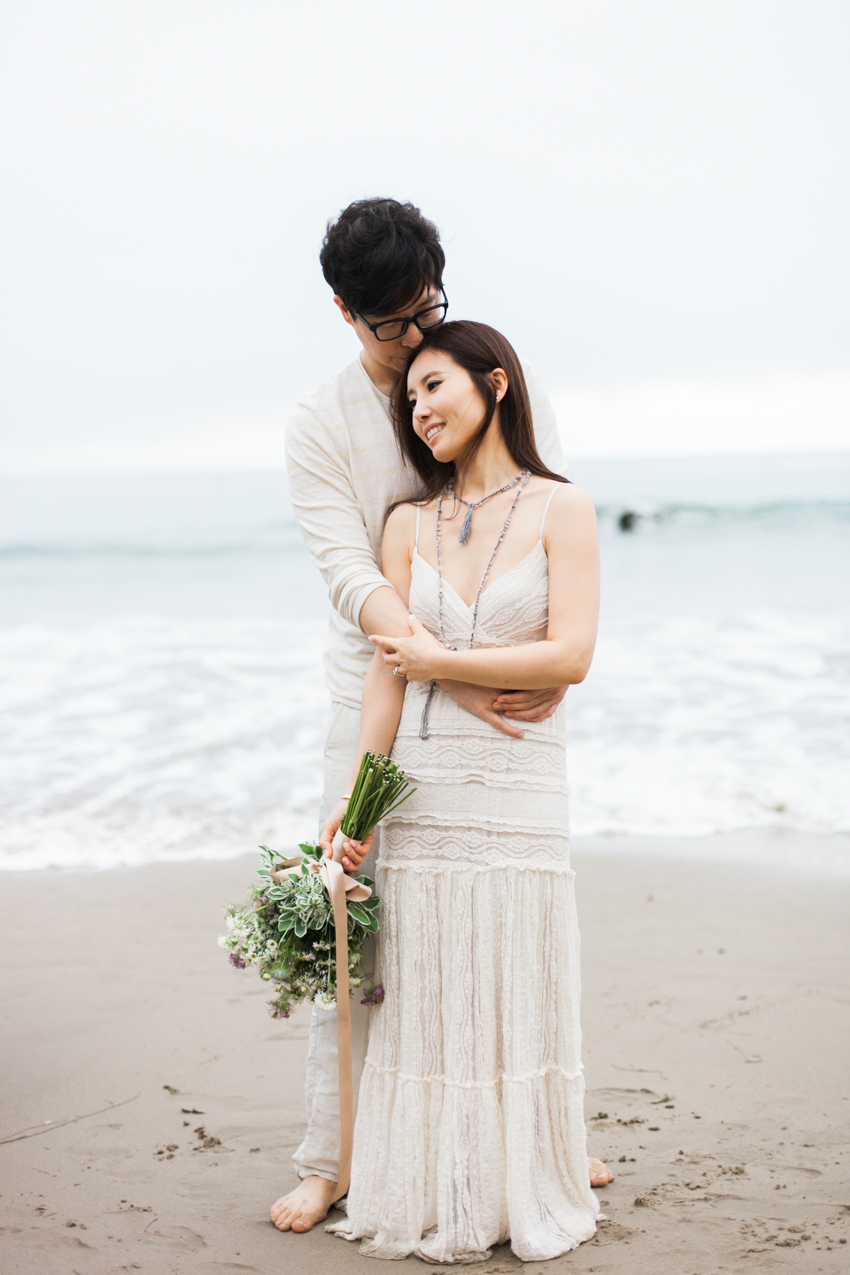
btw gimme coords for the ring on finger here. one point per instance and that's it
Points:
(397, 671)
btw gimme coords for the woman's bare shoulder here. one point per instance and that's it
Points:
(576, 496)
(572, 508)
(400, 527)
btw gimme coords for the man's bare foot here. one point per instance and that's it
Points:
(305, 1206)
(600, 1174)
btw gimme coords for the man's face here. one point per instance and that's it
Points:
(391, 355)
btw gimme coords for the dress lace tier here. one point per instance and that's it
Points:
(470, 1126)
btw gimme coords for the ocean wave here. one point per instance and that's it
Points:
(696, 725)
(284, 537)
(670, 516)
(282, 540)
(158, 739)
(154, 739)
(25, 552)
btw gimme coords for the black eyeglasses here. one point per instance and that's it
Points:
(392, 329)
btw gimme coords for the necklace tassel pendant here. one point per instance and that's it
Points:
(466, 528)
(423, 724)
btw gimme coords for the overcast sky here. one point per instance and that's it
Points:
(650, 199)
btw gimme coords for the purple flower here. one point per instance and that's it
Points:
(275, 1010)
(376, 997)
(236, 959)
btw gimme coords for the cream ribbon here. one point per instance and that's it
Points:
(341, 889)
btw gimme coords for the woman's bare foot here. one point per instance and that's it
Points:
(600, 1174)
(308, 1204)
(305, 1206)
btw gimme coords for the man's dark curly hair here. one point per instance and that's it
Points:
(380, 255)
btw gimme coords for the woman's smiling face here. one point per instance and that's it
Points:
(446, 406)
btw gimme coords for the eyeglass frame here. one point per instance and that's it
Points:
(414, 318)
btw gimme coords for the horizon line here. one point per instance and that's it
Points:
(198, 470)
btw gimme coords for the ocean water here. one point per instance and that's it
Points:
(161, 688)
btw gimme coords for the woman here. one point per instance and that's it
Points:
(470, 1126)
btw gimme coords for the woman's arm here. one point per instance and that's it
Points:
(564, 657)
(383, 692)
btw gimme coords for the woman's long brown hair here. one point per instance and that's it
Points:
(478, 349)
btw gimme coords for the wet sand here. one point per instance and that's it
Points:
(716, 1016)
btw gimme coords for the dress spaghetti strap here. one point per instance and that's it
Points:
(418, 519)
(542, 520)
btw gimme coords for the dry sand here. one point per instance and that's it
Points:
(716, 1015)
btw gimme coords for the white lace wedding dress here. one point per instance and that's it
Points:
(470, 1126)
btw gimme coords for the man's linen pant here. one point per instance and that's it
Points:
(319, 1152)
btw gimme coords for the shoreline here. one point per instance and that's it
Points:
(815, 855)
(716, 1026)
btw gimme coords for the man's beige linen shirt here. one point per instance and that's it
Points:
(344, 473)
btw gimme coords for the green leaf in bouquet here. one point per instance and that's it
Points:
(286, 931)
(366, 920)
(311, 850)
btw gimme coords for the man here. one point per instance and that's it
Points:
(384, 262)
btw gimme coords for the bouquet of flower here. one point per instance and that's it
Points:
(286, 927)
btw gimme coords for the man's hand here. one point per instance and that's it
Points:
(496, 707)
(530, 706)
(479, 700)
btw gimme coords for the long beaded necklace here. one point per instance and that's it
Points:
(522, 479)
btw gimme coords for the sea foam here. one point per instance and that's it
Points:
(161, 689)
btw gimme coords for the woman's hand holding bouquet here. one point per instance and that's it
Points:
(287, 926)
(353, 852)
